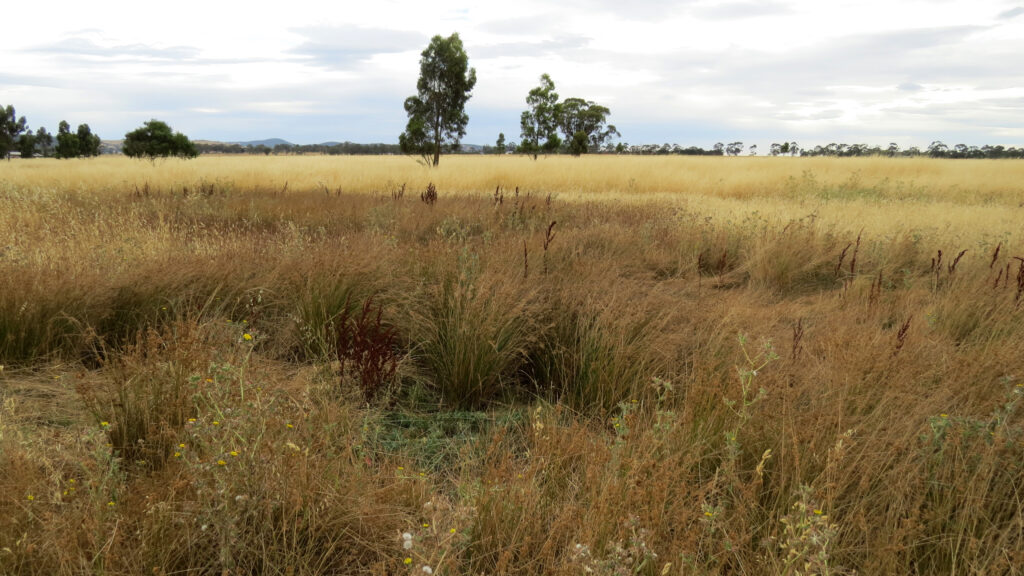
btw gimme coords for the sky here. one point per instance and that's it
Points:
(692, 72)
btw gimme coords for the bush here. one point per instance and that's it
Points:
(155, 139)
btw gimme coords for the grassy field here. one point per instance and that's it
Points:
(605, 365)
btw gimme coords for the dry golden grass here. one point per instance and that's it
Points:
(172, 400)
(975, 182)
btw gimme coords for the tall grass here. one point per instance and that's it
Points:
(707, 366)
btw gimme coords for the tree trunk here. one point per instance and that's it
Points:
(437, 140)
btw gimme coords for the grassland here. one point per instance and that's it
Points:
(294, 365)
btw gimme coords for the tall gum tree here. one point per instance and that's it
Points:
(437, 113)
(541, 120)
(585, 126)
(11, 128)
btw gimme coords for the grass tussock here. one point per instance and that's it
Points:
(598, 365)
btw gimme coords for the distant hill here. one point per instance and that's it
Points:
(111, 146)
(269, 142)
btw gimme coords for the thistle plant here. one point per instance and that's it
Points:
(807, 538)
(748, 398)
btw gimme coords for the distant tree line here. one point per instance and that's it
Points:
(936, 149)
(17, 136)
(341, 148)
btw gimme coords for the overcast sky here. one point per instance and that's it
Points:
(692, 72)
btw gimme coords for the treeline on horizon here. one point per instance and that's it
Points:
(341, 148)
(936, 149)
(16, 138)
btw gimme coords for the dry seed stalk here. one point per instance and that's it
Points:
(548, 237)
(936, 264)
(995, 256)
(700, 268)
(1020, 281)
(901, 336)
(876, 290)
(526, 261)
(952, 267)
(853, 261)
(798, 337)
(842, 256)
(429, 196)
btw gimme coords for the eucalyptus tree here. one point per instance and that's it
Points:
(541, 121)
(11, 128)
(585, 125)
(437, 112)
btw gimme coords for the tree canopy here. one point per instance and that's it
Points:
(155, 139)
(541, 121)
(437, 115)
(11, 129)
(583, 123)
(76, 144)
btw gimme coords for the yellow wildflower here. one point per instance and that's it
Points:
(246, 336)
(221, 463)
